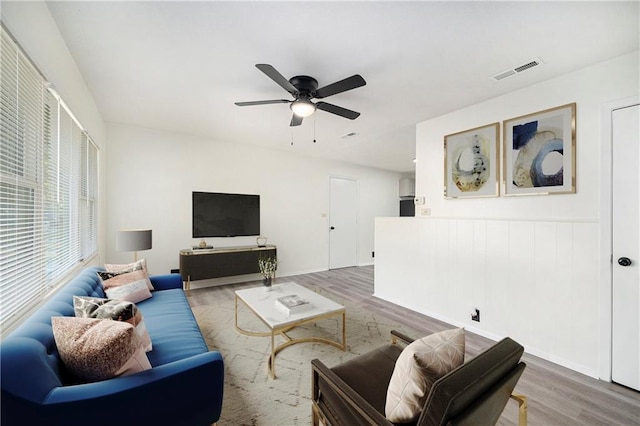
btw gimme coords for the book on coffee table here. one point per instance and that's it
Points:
(292, 303)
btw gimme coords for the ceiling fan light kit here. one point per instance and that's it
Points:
(304, 88)
(303, 107)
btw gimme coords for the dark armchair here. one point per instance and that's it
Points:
(475, 393)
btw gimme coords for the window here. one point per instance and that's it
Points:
(48, 186)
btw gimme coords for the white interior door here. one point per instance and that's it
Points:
(625, 368)
(343, 223)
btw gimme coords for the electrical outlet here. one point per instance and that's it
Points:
(476, 316)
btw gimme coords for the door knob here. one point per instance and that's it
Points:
(624, 261)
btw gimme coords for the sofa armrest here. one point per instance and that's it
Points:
(188, 391)
(166, 281)
(348, 396)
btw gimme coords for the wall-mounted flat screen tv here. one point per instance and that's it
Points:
(225, 215)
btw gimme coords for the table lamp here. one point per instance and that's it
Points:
(133, 240)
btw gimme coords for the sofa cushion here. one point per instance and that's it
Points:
(118, 310)
(131, 286)
(419, 365)
(172, 327)
(140, 265)
(94, 349)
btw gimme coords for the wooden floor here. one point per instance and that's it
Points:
(557, 396)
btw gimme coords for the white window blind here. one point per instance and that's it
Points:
(48, 181)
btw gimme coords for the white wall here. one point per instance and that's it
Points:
(30, 23)
(151, 175)
(530, 264)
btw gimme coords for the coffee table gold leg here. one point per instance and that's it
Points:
(236, 312)
(344, 331)
(272, 358)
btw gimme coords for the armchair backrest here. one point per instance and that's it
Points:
(476, 392)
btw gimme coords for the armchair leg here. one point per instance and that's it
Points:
(315, 417)
(522, 408)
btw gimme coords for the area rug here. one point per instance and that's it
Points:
(251, 397)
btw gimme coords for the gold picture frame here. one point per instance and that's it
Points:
(471, 162)
(539, 152)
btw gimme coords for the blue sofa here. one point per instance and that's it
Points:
(184, 387)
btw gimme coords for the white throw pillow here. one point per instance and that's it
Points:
(419, 365)
(140, 265)
(135, 292)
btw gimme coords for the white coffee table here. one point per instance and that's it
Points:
(263, 304)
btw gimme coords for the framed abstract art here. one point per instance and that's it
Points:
(471, 161)
(539, 154)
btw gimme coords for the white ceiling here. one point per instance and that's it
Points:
(180, 66)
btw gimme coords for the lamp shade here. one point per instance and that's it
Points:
(133, 239)
(303, 107)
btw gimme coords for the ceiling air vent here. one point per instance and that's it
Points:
(516, 70)
(348, 135)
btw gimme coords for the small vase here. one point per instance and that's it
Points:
(266, 282)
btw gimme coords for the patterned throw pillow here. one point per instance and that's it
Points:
(94, 349)
(118, 310)
(125, 286)
(419, 365)
(140, 265)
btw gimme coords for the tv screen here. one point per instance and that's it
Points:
(225, 215)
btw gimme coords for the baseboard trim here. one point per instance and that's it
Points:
(496, 337)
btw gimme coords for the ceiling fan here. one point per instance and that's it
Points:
(304, 89)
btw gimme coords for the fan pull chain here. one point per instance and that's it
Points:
(314, 128)
(292, 136)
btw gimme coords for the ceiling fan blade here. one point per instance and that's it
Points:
(272, 101)
(274, 75)
(295, 121)
(334, 109)
(341, 86)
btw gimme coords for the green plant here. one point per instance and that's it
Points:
(268, 266)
